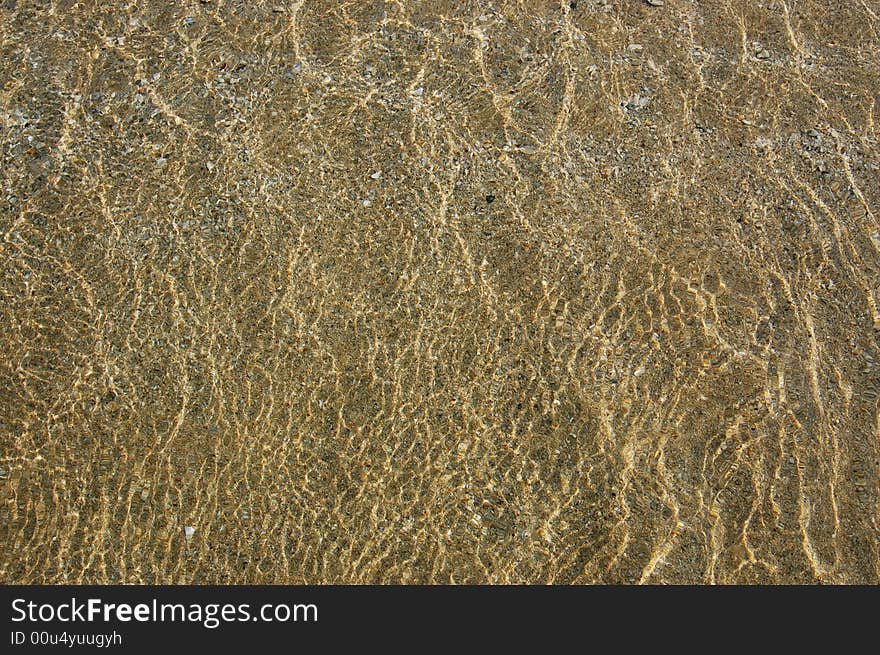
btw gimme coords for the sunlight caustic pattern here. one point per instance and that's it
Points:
(433, 291)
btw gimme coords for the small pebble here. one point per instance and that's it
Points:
(637, 102)
(189, 531)
(376, 175)
(655, 3)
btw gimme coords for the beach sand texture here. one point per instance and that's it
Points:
(432, 292)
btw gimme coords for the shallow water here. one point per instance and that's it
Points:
(439, 292)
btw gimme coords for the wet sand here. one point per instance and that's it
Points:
(421, 292)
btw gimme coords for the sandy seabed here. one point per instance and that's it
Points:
(421, 292)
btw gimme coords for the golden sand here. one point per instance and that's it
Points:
(426, 291)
